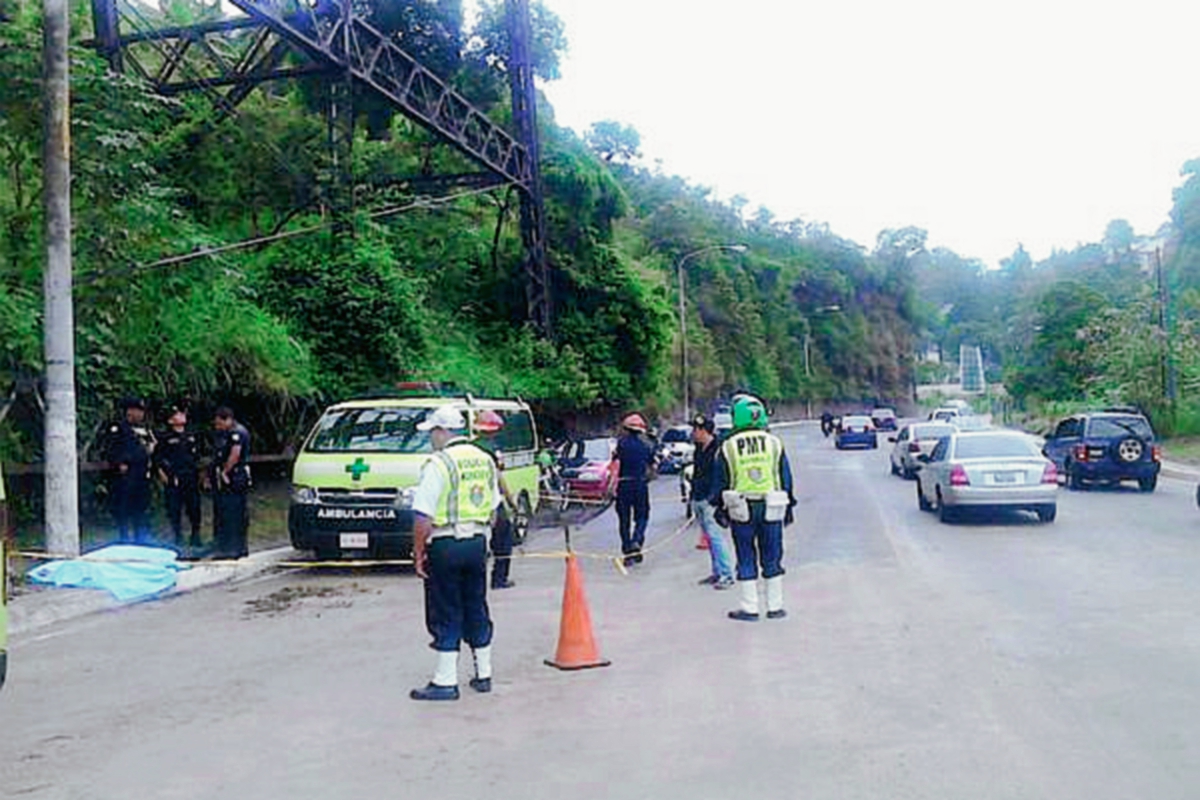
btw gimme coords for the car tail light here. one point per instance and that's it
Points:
(913, 447)
(958, 476)
(1050, 474)
(1156, 452)
(1079, 452)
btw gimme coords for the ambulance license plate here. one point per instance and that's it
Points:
(354, 541)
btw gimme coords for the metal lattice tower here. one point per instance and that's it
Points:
(970, 368)
(283, 39)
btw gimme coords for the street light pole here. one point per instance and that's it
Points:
(832, 309)
(735, 248)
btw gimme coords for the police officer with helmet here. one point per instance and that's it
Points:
(635, 459)
(453, 506)
(129, 448)
(488, 424)
(754, 495)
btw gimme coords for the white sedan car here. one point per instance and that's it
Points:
(915, 439)
(987, 470)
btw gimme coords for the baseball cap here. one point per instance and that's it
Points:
(445, 417)
(703, 422)
(133, 402)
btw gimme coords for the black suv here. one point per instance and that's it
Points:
(1105, 446)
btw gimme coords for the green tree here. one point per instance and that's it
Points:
(614, 142)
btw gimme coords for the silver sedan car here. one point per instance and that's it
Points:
(987, 469)
(918, 438)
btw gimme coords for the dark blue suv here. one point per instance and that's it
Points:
(1105, 447)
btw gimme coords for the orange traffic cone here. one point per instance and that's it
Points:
(703, 543)
(576, 645)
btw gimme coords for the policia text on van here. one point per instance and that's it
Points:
(353, 480)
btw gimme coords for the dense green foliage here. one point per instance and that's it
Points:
(1087, 326)
(436, 292)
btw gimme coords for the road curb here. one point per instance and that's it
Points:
(45, 606)
(1180, 472)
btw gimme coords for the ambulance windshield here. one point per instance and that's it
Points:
(371, 430)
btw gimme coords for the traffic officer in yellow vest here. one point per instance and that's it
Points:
(753, 493)
(453, 509)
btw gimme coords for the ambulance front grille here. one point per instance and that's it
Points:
(358, 497)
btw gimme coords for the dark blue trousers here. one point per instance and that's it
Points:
(230, 521)
(131, 509)
(502, 547)
(758, 544)
(456, 594)
(180, 498)
(633, 514)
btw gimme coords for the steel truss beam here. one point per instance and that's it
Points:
(233, 54)
(282, 39)
(376, 60)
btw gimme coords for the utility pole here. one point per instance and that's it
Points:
(683, 357)
(62, 465)
(1168, 367)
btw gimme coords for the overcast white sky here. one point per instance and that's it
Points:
(986, 123)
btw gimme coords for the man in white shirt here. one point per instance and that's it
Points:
(453, 507)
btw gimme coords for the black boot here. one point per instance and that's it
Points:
(743, 616)
(432, 691)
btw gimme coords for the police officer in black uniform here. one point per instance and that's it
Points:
(129, 449)
(177, 463)
(230, 480)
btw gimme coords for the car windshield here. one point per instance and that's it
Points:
(677, 435)
(857, 422)
(932, 431)
(597, 450)
(885, 413)
(995, 446)
(371, 430)
(1110, 427)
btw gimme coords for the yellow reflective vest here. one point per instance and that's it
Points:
(468, 486)
(753, 458)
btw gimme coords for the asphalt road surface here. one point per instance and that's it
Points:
(999, 658)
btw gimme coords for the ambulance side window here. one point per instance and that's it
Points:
(517, 433)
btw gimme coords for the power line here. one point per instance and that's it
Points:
(206, 252)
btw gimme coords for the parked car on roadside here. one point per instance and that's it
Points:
(723, 418)
(987, 470)
(884, 419)
(1105, 447)
(675, 449)
(915, 439)
(589, 469)
(856, 431)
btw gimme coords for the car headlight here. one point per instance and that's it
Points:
(404, 499)
(591, 475)
(304, 495)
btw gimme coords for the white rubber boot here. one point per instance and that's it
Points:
(775, 598)
(482, 682)
(749, 610)
(444, 685)
(447, 670)
(483, 662)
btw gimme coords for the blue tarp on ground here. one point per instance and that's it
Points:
(128, 572)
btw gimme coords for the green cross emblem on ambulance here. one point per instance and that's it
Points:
(357, 469)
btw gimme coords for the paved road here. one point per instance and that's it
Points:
(1000, 659)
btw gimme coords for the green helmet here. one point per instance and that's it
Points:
(748, 412)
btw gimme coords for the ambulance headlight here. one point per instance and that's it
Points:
(304, 495)
(404, 499)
